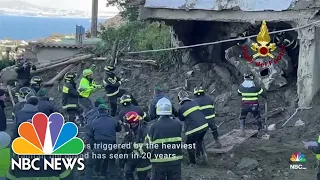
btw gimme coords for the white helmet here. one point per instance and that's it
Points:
(164, 107)
(4, 139)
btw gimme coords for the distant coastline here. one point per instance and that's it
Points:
(55, 16)
(35, 28)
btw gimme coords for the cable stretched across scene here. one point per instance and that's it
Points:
(222, 41)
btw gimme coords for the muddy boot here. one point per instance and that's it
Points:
(204, 158)
(242, 132)
(218, 144)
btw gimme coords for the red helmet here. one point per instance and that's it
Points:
(132, 117)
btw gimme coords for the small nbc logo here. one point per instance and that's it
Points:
(48, 136)
(298, 157)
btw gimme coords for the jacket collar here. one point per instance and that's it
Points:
(29, 108)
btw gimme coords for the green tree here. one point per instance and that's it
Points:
(128, 8)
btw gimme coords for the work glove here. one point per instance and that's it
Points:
(82, 89)
(99, 86)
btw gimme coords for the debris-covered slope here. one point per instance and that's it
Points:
(255, 158)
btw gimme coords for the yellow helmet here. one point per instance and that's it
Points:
(87, 72)
(198, 90)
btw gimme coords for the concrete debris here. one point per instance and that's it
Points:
(265, 137)
(247, 164)
(270, 77)
(223, 73)
(189, 73)
(231, 156)
(272, 127)
(299, 123)
(259, 169)
(230, 173)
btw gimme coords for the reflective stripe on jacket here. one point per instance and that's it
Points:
(194, 119)
(112, 85)
(166, 133)
(206, 106)
(70, 96)
(250, 93)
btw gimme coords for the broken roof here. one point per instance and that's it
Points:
(244, 5)
(68, 43)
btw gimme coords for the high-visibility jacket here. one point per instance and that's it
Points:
(112, 84)
(317, 149)
(194, 119)
(166, 133)
(89, 87)
(250, 92)
(70, 96)
(206, 106)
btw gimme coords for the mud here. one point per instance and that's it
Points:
(222, 80)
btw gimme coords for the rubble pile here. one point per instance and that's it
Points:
(253, 159)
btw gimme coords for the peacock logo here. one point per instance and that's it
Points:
(48, 136)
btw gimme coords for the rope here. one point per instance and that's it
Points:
(222, 41)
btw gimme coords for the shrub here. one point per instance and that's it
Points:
(138, 36)
(5, 63)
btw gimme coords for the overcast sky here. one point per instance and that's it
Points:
(73, 4)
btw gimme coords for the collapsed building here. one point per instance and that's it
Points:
(202, 21)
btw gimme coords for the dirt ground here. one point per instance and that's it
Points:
(264, 159)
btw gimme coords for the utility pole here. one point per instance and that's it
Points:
(94, 18)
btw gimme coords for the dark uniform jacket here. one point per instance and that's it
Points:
(136, 138)
(112, 84)
(136, 109)
(168, 131)
(24, 72)
(91, 115)
(70, 96)
(206, 106)
(46, 106)
(152, 107)
(41, 174)
(250, 92)
(103, 129)
(17, 108)
(3, 119)
(195, 120)
(25, 114)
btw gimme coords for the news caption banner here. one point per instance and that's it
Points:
(52, 137)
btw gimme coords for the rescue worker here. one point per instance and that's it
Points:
(137, 131)
(93, 113)
(250, 95)
(316, 150)
(157, 95)
(112, 86)
(23, 92)
(70, 98)
(196, 126)
(292, 47)
(27, 112)
(102, 131)
(46, 105)
(63, 174)
(125, 101)
(165, 132)
(283, 38)
(206, 105)
(87, 86)
(23, 69)
(36, 83)
(251, 30)
(3, 119)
